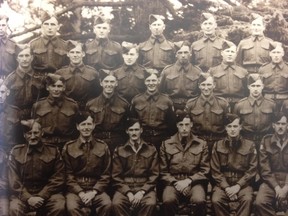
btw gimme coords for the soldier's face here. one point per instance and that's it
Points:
(134, 132)
(257, 27)
(229, 55)
(209, 26)
(4, 92)
(3, 27)
(207, 87)
(157, 27)
(86, 127)
(151, 83)
(33, 136)
(256, 88)
(277, 55)
(233, 129)
(76, 55)
(56, 89)
(280, 127)
(130, 57)
(102, 30)
(50, 27)
(109, 84)
(183, 54)
(25, 58)
(184, 127)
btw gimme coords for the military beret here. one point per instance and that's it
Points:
(154, 17)
(20, 47)
(28, 124)
(203, 77)
(73, 44)
(180, 115)
(252, 78)
(131, 121)
(227, 45)
(53, 78)
(126, 46)
(207, 16)
(230, 117)
(100, 19)
(149, 72)
(46, 16)
(83, 116)
(2, 16)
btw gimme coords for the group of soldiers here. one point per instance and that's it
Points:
(109, 129)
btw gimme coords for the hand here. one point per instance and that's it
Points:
(35, 202)
(88, 196)
(182, 184)
(130, 197)
(232, 191)
(280, 193)
(186, 191)
(137, 199)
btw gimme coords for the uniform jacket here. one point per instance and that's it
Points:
(132, 170)
(35, 171)
(8, 61)
(190, 161)
(3, 172)
(94, 164)
(241, 158)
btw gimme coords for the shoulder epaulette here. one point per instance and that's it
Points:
(243, 99)
(89, 40)
(167, 66)
(71, 99)
(90, 67)
(18, 146)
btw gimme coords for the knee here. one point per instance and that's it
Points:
(216, 199)
(260, 201)
(248, 198)
(168, 199)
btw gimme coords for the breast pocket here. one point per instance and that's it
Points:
(216, 55)
(98, 114)
(161, 110)
(47, 164)
(223, 157)
(92, 56)
(166, 55)
(110, 58)
(117, 114)
(147, 55)
(41, 55)
(195, 155)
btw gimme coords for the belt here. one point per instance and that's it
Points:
(181, 176)
(276, 96)
(135, 179)
(84, 179)
(233, 174)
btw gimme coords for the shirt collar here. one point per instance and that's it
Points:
(39, 147)
(130, 67)
(4, 39)
(258, 101)
(20, 72)
(210, 37)
(257, 37)
(225, 66)
(184, 67)
(204, 100)
(275, 139)
(75, 67)
(280, 65)
(55, 101)
(102, 41)
(47, 40)
(153, 96)
(158, 39)
(82, 141)
(130, 146)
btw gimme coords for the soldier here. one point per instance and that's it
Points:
(157, 52)
(101, 52)
(273, 160)
(180, 80)
(110, 112)
(130, 75)
(135, 169)
(4, 200)
(253, 51)
(230, 79)
(184, 167)
(206, 52)
(49, 50)
(36, 175)
(25, 85)
(8, 61)
(275, 77)
(233, 167)
(256, 111)
(56, 113)
(87, 170)
(155, 111)
(82, 81)
(208, 112)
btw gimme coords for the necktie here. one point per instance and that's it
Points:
(136, 145)
(184, 141)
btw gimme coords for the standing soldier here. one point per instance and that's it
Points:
(206, 52)
(253, 51)
(273, 160)
(184, 167)
(82, 81)
(25, 85)
(256, 111)
(56, 113)
(36, 175)
(130, 75)
(155, 111)
(87, 171)
(208, 112)
(135, 169)
(180, 80)
(49, 50)
(101, 52)
(233, 167)
(157, 52)
(275, 77)
(230, 79)
(8, 61)
(110, 112)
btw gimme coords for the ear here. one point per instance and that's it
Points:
(77, 127)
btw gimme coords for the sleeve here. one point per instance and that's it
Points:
(239, 55)
(171, 119)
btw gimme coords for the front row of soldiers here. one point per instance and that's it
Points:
(76, 181)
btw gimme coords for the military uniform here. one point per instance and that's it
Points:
(87, 168)
(25, 87)
(8, 61)
(49, 55)
(82, 83)
(4, 200)
(231, 164)
(180, 82)
(110, 115)
(132, 172)
(56, 118)
(273, 160)
(253, 52)
(206, 52)
(103, 54)
(230, 81)
(36, 171)
(130, 81)
(156, 53)
(179, 162)
(156, 113)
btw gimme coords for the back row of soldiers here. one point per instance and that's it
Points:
(115, 85)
